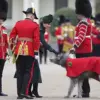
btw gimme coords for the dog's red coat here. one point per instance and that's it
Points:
(77, 66)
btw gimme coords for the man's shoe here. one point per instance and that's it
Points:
(20, 97)
(24, 96)
(37, 95)
(31, 95)
(85, 96)
(28, 97)
(2, 94)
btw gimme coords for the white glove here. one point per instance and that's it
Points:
(65, 35)
(60, 37)
(36, 55)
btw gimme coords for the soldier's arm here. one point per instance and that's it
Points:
(45, 44)
(6, 37)
(36, 39)
(58, 34)
(12, 37)
(82, 34)
(95, 31)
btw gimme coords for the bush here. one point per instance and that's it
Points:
(68, 13)
(97, 6)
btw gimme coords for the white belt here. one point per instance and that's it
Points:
(95, 36)
(88, 36)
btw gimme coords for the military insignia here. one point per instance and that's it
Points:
(70, 64)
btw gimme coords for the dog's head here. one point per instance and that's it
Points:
(61, 59)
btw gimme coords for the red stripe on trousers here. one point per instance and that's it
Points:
(31, 75)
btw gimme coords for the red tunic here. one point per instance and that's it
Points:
(46, 36)
(28, 30)
(75, 67)
(83, 39)
(95, 32)
(58, 35)
(3, 42)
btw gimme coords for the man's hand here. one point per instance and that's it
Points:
(72, 50)
(36, 55)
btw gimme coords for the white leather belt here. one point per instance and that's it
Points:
(88, 36)
(95, 36)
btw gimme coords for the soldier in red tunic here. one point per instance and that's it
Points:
(83, 41)
(27, 34)
(59, 33)
(3, 39)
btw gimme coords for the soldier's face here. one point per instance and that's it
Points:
(1, 21)
(67, 23)
(80, 17)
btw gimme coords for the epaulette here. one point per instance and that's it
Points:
(84, 21)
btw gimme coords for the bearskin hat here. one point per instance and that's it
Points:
(97, 18)
(3, 9)
(61, 19)
(83, 7)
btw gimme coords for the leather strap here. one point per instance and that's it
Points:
(25, 39)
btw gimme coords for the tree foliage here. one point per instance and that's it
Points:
(97, 6)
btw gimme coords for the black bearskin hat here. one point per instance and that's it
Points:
(3, 9)
(97, 18)
(83, 7)
(61, 19)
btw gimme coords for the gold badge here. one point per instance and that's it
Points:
(70, 64)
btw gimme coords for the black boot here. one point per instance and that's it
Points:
(35, 90)
(1, 94)
(30, 92)
(24, 96)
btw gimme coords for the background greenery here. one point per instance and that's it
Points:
(97, 6)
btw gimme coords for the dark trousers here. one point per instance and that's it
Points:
(2, 62)
(60, 47)
(43, 52)
(96, 50)
(25, 65)
(86, 86)
(36, 78)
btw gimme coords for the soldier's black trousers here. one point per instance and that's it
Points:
(86, 86)
(24, 65)
(60, 47)
(2, 62)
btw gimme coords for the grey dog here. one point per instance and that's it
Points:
(61, 60)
